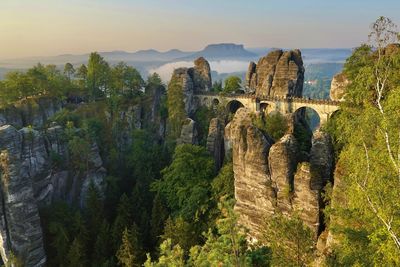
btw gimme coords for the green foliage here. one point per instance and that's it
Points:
(291, 242)
(203, 116)
(186, 182)
(367, 223)
(232, 84)
(180, 232)
(169, 256)
(303, 136)
(127, 252)
(274, 124)
(223, 183)
(217, 87)
(228, 248)
(98, 76)
(39, 80)
(176, 107)
(125, 80)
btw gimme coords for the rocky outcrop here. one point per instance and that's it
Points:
(189, 133)
(253, 193)
(36, 171)
(269, 177)
(30, 111)
(321, 160)
(283, 158)
(338, 87)
(215, 141)
(191, 80)
(202, 75)
(278, 74)
(307, 200)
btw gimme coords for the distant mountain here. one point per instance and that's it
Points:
(222, 51)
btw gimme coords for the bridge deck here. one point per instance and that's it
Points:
(269, 98)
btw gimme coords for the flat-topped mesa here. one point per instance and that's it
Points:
(278, 74)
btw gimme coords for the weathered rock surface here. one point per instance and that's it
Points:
(321, 160)
(189, 133)
(202, 75)
(191, 80)
(215, 141)
(20, 222)
(31, 111)
(32, 178)
(338, 87)
(283, 158)
(253, 193)
(269, 177)
(277, 75)
(306, 201)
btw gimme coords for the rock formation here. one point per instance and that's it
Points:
(283, 157)
(270, 177)
(338, 87)
(215, 141)
(189, 133)
(307, 200)
(321, 160)
(278, 74)
(202, 75)
(31, 111)
(253, 193)
(30, 179)
(191, 80)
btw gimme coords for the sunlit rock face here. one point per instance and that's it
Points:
(253, 193)
(338, 87)
(271, 178)
(278, 74)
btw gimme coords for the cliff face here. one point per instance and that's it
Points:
(270, 178)
(215, 141)
(30, 179)
(254, 196)
(31, 111)
(277, 74)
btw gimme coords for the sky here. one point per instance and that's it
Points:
(53, 27)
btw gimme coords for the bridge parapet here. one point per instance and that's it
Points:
(272, 98)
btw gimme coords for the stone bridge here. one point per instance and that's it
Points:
(285, 105)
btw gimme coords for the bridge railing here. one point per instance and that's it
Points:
(274, 98)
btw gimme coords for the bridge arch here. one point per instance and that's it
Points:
(233, 105)
(215, 102)
(308, 115)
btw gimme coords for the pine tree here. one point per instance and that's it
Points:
(127, 253)
(76, 254)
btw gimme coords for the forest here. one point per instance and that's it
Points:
(166, 204)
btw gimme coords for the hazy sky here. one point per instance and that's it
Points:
(52, 27)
